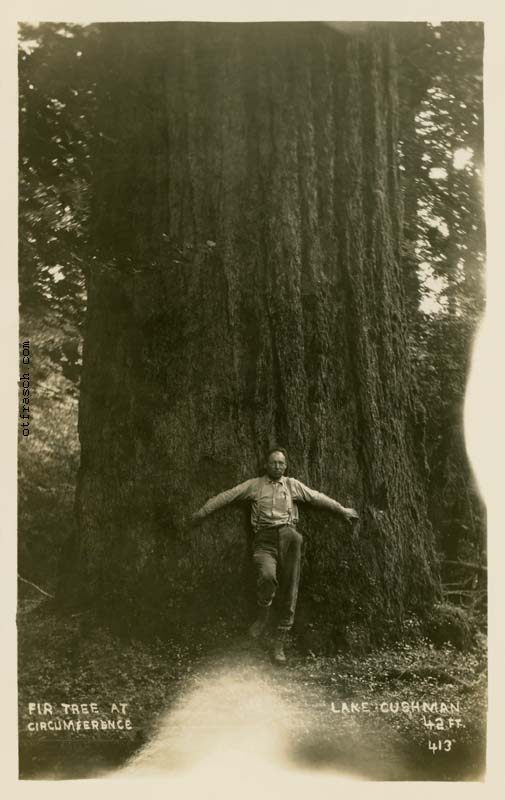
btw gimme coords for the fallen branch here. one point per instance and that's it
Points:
(468, 564)
(42, 591)
(460, 583)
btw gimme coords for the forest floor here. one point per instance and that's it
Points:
(168, 706)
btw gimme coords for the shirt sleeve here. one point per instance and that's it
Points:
(306, 495)
(239, 492)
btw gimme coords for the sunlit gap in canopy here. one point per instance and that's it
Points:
(66, 31)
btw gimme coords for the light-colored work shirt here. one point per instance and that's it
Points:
(273, 502)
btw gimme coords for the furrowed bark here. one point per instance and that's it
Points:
(245, 291)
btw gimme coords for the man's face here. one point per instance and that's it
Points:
(276, 465)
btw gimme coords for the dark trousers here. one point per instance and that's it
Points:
(277, 560)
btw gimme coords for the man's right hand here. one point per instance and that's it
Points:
(196, 518)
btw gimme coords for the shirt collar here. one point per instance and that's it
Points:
(280, 480)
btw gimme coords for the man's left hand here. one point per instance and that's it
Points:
(350, 515)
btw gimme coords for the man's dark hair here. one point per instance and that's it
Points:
(276, 450)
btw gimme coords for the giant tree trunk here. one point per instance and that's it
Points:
(246, 291)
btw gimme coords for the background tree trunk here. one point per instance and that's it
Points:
(245, 290)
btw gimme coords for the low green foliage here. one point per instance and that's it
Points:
(452, 624)
(73, 659)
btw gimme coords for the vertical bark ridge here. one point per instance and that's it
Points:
(247, 292)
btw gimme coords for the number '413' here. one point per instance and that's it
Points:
(440, 745)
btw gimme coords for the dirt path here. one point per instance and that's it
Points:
(239, 707)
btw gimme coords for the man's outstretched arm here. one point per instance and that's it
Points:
(239, 492)
(307, 495)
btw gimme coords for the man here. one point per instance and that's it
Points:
(276, 543)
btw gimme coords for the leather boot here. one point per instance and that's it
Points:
(258, 628)
(278, 654)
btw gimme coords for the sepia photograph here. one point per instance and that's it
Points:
(251, 273)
